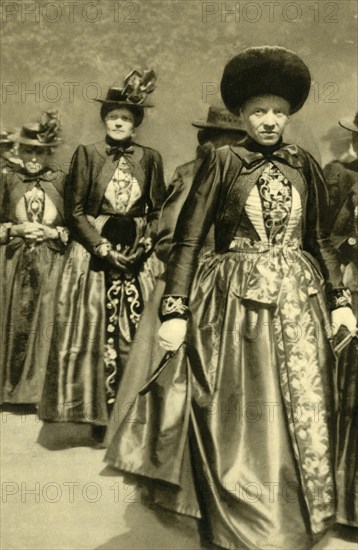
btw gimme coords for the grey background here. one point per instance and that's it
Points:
(48, 44)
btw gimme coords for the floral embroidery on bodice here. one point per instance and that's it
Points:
(274, 207)
(122, 191)
(36, 206)
(35, 203)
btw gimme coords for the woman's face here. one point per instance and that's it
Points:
(265, 118)
(34, 158)
(119, 124)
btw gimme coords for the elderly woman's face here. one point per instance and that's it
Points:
(34, 158)
(119, 124)
(265, 118)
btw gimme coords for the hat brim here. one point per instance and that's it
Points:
(203, 124)
(348, 124)
(16, 138)
(123, 103)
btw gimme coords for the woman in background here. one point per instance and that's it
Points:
(114, 193)
(342, 183)
(33, 240)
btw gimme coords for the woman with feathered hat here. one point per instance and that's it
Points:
(113, 197)
(238, 424)
(9, 160)
(33, 239)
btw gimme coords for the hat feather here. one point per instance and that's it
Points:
(137, 85)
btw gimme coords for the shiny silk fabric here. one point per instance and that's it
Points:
(257, 372)
(260, 446)
(342, 183)
(98, 307)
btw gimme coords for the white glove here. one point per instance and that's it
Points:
(172, 334)
(343, 316)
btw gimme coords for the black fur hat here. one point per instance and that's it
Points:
(265, 70)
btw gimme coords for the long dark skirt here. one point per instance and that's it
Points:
(29, 275)
(238, 430)
(96, 319)
(347, 432)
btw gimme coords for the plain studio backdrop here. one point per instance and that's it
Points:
(62, 54)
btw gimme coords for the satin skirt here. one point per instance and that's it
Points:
(238, 429)
(347, 431)
(29, 275)
(96, 318)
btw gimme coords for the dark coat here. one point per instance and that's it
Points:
(90, 172)
(219, 192)
(342, 183)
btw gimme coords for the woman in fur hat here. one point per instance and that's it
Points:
(238, 424)
(113, 197)
(33, 240)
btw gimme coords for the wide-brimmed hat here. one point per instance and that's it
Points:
(136, 87)
(4, 136)
(40, 134)
(220, 118)
(350, 123)
(265, 70)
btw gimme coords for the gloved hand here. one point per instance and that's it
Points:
(172, 334)
(119, 261)
(136, 259)
(343, 316)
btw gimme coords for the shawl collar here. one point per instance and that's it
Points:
(254, 156)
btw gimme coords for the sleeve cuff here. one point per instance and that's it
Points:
(63, 234)
(174, 307)
(5, 229)
(102, 249)
(340, 297)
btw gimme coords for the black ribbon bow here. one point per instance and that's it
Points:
(118, 150)
(286, 153)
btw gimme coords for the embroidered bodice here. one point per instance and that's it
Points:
(122, 191)
(36, 206)
(274, 207)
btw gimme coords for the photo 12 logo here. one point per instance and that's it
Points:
(270, 12)
(51, 92)
(69, 11)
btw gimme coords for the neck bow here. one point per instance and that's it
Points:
(255, 158)
(119, 150)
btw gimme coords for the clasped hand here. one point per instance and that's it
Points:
(125, 261)
(33, 232)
